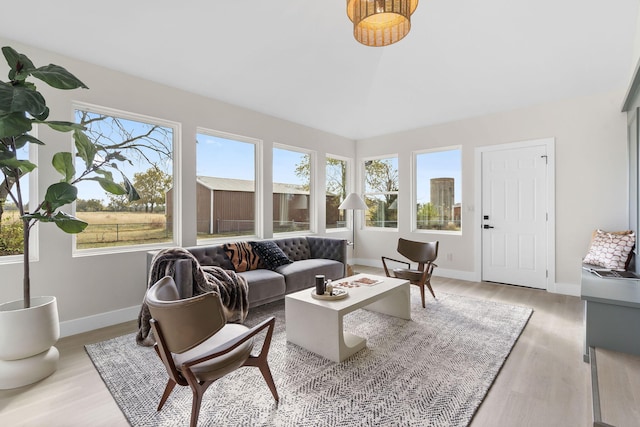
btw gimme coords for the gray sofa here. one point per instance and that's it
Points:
(309, 255)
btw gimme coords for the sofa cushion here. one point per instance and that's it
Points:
(242, 256)
(271, 255)
(301, 274)
(264, 285)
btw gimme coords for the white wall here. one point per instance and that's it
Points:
(87, 287)
(591, 177)
(93, 291)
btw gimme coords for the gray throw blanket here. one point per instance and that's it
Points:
(233, 289)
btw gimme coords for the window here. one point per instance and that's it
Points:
(291, 190)
(146, 147)
(226, 186)
(11, 237)
(336, 191)
(381, 192)
(438, 181)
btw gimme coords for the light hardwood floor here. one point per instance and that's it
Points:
(544, 382)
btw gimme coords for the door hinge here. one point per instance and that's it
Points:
(546, 274)
(546, 159)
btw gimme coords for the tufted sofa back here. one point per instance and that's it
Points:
(295, 248)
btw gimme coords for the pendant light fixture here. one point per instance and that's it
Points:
(380, 22)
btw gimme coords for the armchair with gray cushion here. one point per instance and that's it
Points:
(196, 344)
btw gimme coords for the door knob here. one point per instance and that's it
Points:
(486, 226)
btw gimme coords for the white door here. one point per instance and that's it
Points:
(514, 216)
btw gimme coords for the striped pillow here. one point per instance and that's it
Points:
(242, 256)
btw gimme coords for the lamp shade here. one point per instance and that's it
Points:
(380, 22)
(353, 201)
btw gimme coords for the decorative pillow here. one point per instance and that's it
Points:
(242, 256)
(611, 249)
(271, 255)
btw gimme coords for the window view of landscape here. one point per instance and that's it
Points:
(381, 192)
(146, 156)
(10, 223)
(226, 188)
(336, 191)
(438, 194)
(291, 190)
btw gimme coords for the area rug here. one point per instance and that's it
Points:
(432, 371)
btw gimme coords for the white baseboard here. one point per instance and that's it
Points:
(566, 289)
(558, 288)
(97, 321)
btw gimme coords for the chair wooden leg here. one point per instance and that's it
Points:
(198, 390)
(261, 362)
(421, 286)
(167, 391)
(430, 288)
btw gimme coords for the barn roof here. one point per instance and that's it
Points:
(230, 184)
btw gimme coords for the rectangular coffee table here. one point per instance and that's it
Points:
(317, 324)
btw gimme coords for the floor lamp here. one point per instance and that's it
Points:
(353, 202)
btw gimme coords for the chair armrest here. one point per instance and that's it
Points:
(230, 345)
(384, 264)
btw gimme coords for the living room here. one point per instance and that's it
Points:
(590, 156)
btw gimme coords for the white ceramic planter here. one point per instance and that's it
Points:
(27, 337)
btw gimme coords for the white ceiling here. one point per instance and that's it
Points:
(297, 59)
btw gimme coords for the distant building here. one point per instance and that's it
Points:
(226, 205)
(442, 197)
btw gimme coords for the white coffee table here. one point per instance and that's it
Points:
(317, 324)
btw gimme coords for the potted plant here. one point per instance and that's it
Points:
(29, 327)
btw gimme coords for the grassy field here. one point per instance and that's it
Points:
(121, 229)
(117, 228)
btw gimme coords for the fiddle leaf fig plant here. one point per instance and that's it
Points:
(22, 107)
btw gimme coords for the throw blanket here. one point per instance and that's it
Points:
(233, 289)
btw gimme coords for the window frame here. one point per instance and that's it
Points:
(176, 168)
(313, 184)
(348, 189)
(363, 181)
(414, 190)
(258, 147)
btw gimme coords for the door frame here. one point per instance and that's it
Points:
(551, 198)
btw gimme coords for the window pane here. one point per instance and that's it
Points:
(381, 192)
(113, 220)
(291, 184)
(336, 172)
(10, 223)
(438, 195)
(226, 189)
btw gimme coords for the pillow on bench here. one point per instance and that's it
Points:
(611, 249)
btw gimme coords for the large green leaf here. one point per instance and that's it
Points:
(57, 77)
(132, 193)
(85, 148)
(18, 98)
(20, 65)
(62, 126)
(25, 166)
(60, 194)
(109, 185)
(63, 163)
(14, 124)
(22, 140)
(69, 224)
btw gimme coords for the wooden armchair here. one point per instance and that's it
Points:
(196, 344)
(423, 253)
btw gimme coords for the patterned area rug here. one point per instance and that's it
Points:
(432, 371)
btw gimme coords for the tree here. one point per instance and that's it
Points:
(381, 177)
(91, 205)
(152, 186)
